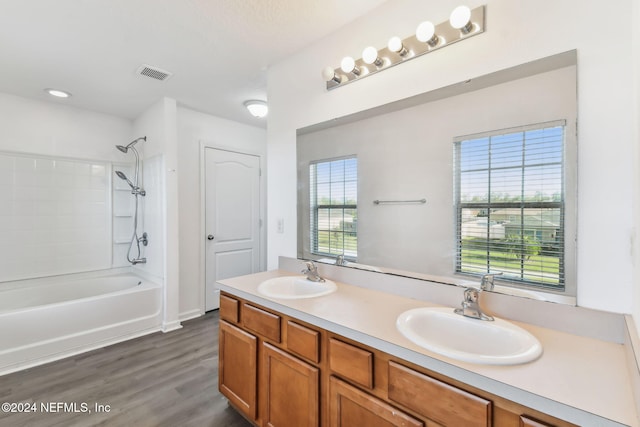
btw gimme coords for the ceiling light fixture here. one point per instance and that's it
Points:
(57, 93)
(463, 23)
(257, 108)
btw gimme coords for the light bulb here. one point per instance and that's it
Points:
(395, 45)
(329, 74)
(370, 56)
(460, 19)
(426, 33)
(348, 65)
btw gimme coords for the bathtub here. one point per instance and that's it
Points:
(47, 319)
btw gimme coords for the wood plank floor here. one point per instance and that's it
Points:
(157, 380)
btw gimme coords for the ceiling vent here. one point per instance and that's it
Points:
(154, 72)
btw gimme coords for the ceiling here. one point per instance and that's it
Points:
(219, 51)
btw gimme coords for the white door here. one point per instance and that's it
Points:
(232, 210)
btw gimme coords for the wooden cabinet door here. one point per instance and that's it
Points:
(237, 368)
(349, 406)
(291, 390)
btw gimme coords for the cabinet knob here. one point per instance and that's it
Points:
(210, 237)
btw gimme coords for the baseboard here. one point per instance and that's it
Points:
(191, 314)
(171, 326)
(632, 347)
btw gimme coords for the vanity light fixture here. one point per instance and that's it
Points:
(463, 23)
(257, 108)
(57, 93)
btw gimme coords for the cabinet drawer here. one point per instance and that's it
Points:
(261, 322)
(529, 422)
(349, 406)
(351, 362)
(229, 309)
(436, 400)
(303, 341)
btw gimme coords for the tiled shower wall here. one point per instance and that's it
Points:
(55, 216)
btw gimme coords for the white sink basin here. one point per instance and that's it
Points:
(295, 287)
(440, 330)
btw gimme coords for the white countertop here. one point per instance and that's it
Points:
(578, 379)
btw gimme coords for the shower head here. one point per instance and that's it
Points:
(124, 149)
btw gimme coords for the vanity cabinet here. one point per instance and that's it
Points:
(266, 365)
(280, 371)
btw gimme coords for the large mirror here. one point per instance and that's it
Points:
(387, 178)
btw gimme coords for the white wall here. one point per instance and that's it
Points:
(516, 32)
(54, 129)
(194, 130)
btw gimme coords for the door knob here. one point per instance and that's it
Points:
(210, 237)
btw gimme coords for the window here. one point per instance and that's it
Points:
(334, 211)
(510, 204)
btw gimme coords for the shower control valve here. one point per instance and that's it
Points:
(144, 239)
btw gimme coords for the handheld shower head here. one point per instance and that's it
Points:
(123, 177)
(125, 149)
(134, 189)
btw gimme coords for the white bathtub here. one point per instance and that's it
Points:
(48, 319)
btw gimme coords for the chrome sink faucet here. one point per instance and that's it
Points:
(486, 284)
(312, 272)
(471, 303)
(471, 306)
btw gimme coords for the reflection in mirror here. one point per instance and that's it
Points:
(401, 154)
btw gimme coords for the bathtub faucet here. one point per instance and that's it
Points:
(138, 261)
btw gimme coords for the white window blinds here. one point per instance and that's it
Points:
(333, 202)
(510, 204)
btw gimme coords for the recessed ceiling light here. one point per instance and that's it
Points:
(58, 93)
(257, 108)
